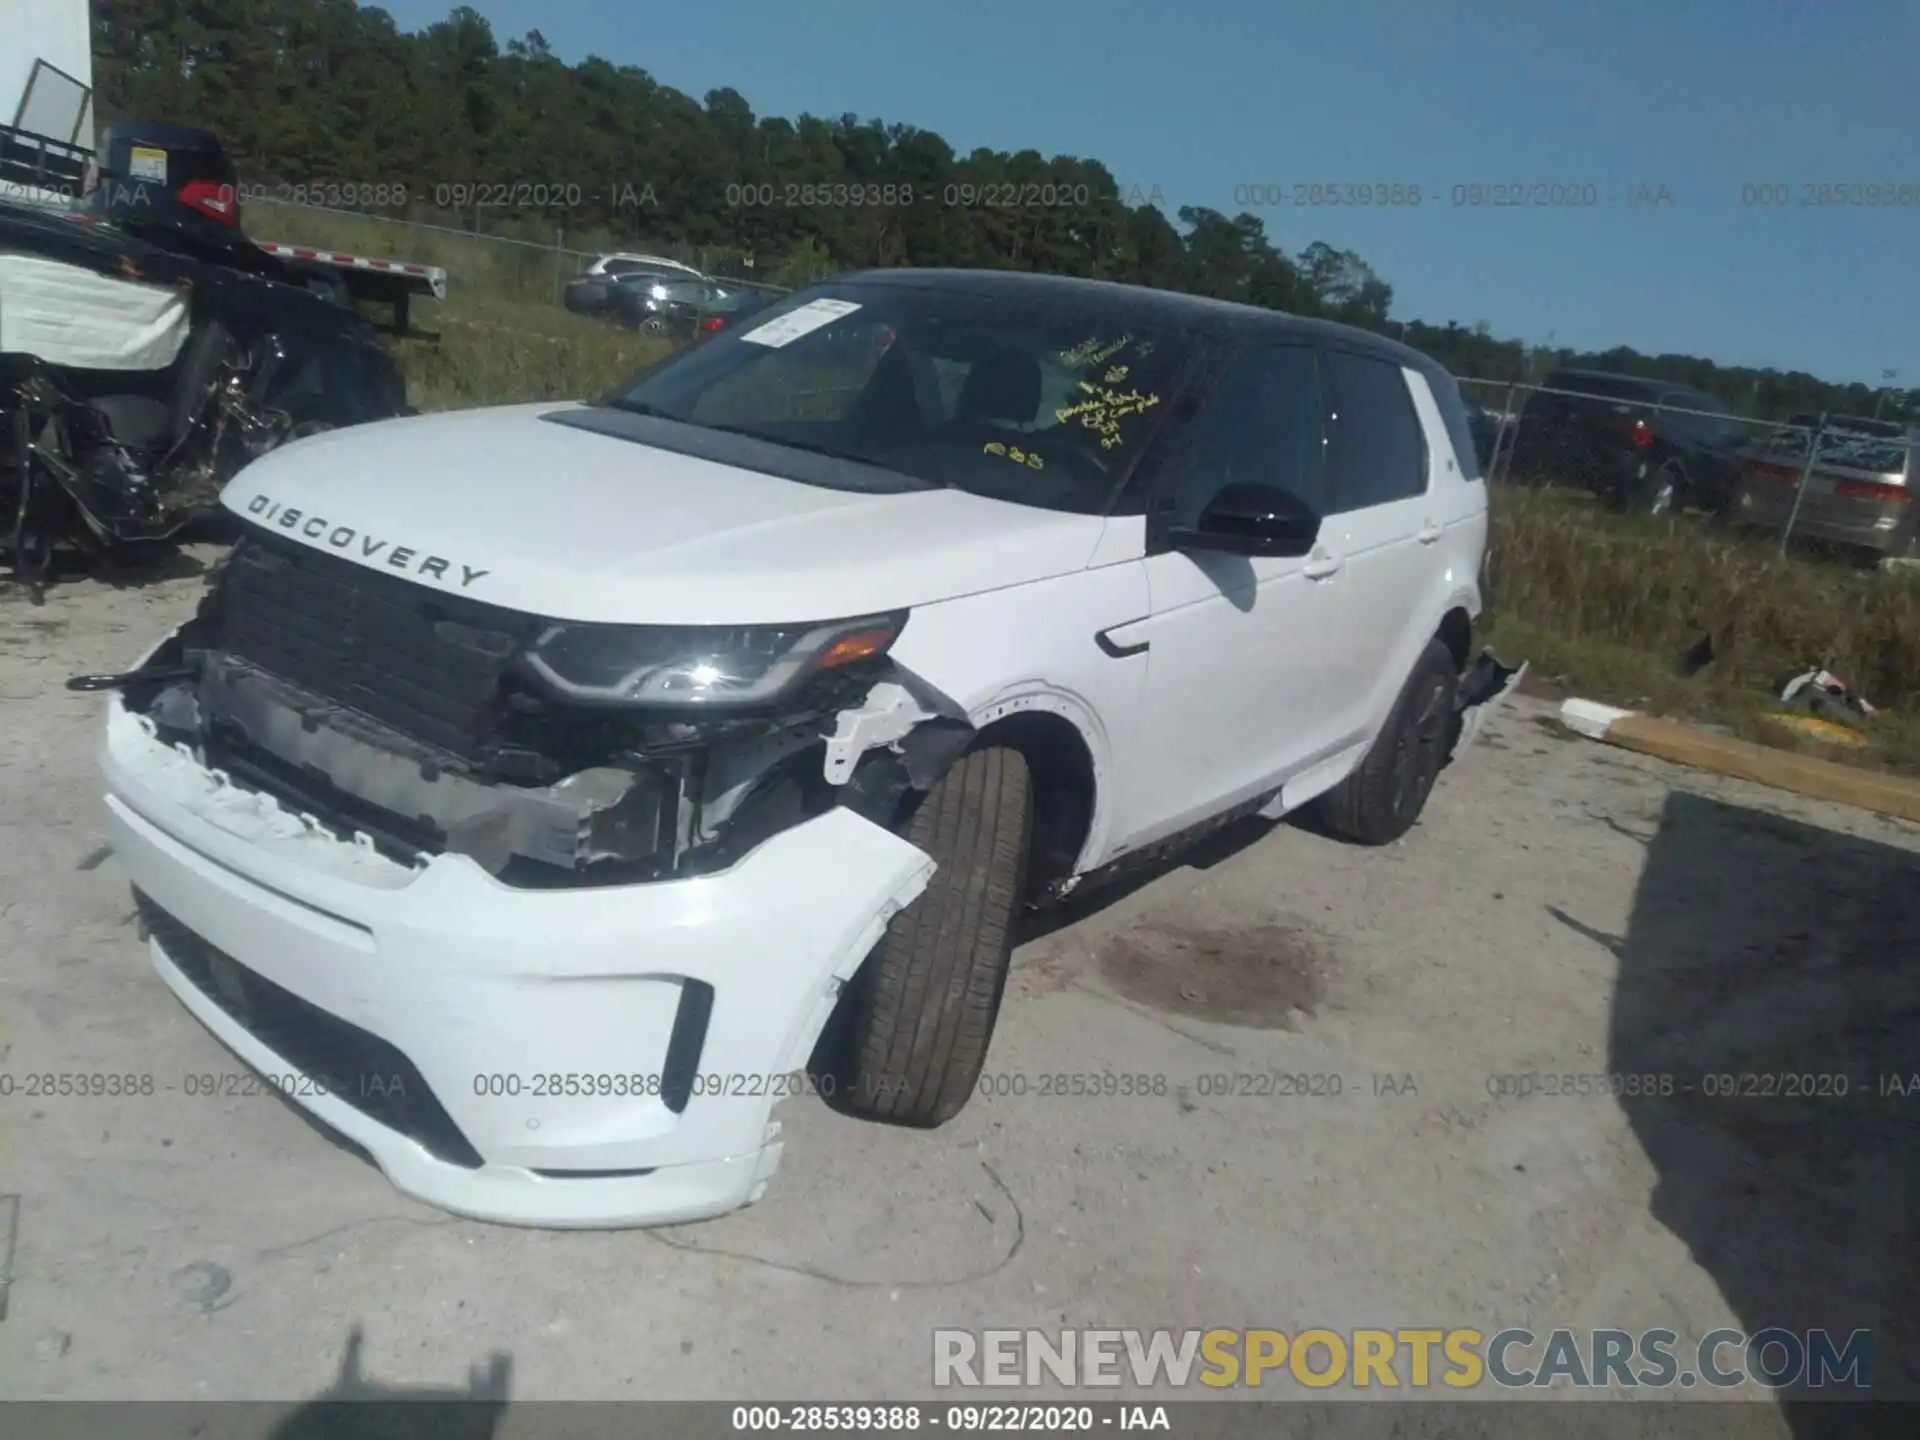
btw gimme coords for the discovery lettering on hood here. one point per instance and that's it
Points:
(344, 537)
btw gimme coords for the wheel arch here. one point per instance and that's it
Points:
(1455, 631)
(1068, 777)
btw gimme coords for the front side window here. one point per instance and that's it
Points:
(1261, 425)
(1045, 404)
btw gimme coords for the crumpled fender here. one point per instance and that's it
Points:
(1485, 686)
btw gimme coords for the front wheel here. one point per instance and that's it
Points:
(1379, 802)
(910, 1035)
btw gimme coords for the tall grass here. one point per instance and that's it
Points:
(1660, 585)
(501, 352)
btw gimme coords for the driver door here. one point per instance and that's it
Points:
(1238, 648)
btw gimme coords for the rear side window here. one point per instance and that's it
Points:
(1375, 451)
(1453, 413)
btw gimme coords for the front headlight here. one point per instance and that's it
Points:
(700, 665)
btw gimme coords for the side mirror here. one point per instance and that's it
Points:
(1250, 519)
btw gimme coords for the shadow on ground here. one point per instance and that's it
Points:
(153, 563)
(1774, 970)
(470, 1412)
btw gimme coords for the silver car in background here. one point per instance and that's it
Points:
(1859, 493)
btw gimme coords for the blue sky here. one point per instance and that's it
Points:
(1203, 97)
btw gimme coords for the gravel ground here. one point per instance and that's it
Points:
(1564, 908)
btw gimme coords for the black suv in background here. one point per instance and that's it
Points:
(591, 291)
(1631, 440)
(682, 309)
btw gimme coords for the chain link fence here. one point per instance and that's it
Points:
(1846, 482)
(527, 266)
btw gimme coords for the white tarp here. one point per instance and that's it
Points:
(70, 315)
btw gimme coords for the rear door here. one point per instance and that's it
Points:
(1386, 517)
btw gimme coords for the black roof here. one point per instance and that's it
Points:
(1166, 307)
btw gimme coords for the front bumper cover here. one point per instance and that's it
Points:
(540, 1021)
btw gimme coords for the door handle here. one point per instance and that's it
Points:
(1319, 565)
(1121, 649)
(1430, 531)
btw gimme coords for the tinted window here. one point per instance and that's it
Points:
(1675, 416)
(1261, 425)
(1375, 451)
(1721, 424)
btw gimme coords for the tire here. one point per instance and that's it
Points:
(1379, 802)
(1662, 492)
(913, 1027)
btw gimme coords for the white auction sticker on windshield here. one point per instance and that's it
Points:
(802, 320)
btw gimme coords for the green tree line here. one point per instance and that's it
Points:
(333, 92)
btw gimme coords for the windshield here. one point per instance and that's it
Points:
(1038, 404)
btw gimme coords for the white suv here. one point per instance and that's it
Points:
(541, 793)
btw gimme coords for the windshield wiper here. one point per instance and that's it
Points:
(636, 407)
(831, 452)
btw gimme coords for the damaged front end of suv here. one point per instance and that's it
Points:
(553, 754)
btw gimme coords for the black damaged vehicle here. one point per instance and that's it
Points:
(149, 350)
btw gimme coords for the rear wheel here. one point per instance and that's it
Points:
(1379, 802)
(1661, 491)
(910, 1035)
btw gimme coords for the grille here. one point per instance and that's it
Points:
(426, 664)
(355, 1065)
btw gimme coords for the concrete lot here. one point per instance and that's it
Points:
(1563, 908)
